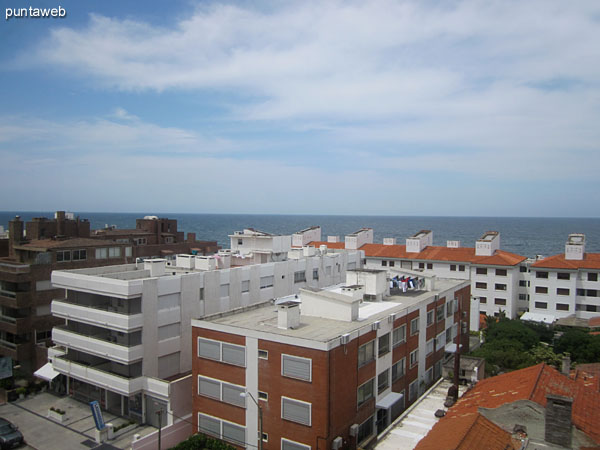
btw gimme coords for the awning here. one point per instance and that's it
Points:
(387, 401)
(46, 372)
(538, 317)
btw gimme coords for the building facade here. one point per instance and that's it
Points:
(127, 337)
(328, 369)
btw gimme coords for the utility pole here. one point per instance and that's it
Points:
(159, 414)
(457, 353)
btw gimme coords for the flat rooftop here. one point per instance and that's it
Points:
(263, 317)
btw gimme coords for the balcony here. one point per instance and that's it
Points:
(19, 351)
(15, 325)
(97, 346)
(15, 299)
(96, 316)
(97, 376)
(14, 267)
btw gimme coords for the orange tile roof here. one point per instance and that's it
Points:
(470, 432)
(436, 253)
(589, 261)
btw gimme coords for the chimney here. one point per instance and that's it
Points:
(419, 241)
(155, 266)
(333, 239)
(558, 427)
(575, 247)
(453, 244)
(487, 244)
(566, 364)
(288, 315)
(389, 241)
(191, 237)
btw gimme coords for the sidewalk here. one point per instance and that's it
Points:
(76, 431)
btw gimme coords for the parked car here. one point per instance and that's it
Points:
(10, 436)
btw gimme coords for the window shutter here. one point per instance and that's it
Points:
(231, 394)
(210, 388)
(295, 411)
(289, 445)
(296, 367)
(209, 349)
(234, 354)
(234, 433)
(208, 425)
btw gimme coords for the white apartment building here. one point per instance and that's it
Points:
(499, 279)
(565, 284)
(127, 339)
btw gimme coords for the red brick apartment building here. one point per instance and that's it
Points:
(38, 247)
(328, 369)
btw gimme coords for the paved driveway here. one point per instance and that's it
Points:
(77, 431)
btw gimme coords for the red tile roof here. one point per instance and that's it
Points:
(589, 261)
(337, 245)
(434, 253)
(532, 383)
(471, 432)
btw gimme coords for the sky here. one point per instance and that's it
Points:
(438, 108)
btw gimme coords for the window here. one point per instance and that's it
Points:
(222, 351)
(240, 242)
(383, 381)
(201, 294)
(222, 391)
(365, 430)
(414, 358)
(501, 272)
(500, 301)
(224, 291)
(449, 308)
(562, 307)
(592, 276)
(461, 268)
(562, 291)
(291, 445)
(429, 266)
(209, 425)
(430, 317)
(448, 335)
(482, 299)
(421, 265)
(245, 285)
(392, 263)
(592, 293)
(523, 283)
(440, 313)
(500, 287)
(541, 274)
(263, 396)
(541, 305)
(266, 282)
(383, 344)
(43, 335)
(523, 297)
(523, 269)
(481, 271)
(541, 290)
(128, 252)
(296, 411)
(399, 335)
(480, 285)
(563, 276)
(365, 392)
(232, 432)
(366, 353)
(440, 340)
(114, 252)
(429, 347)
(414, 326)
(101, 253)
(79, 255)
(300, 276)
(221, 429)
(383, 263)
(453, 267)
(413, 390)
(398, 369)
(296, 367)
(63, 256)
(315, 274)
(263, 354)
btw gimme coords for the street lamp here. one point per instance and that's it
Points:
(260, 424)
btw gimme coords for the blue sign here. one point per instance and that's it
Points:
(97, 413)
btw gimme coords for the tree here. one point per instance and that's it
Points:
(583, 347)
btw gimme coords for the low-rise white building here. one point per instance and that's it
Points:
(566, 284)
(127, 339)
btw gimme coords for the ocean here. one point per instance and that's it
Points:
(525, 236)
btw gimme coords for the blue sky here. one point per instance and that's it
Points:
(485, 108)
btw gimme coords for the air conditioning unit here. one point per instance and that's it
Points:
(436, 297)
(391, 318)
(344, 339)
(337, 443)
(354, 430)
(375, 326)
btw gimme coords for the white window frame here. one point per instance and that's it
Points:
(295, 400)
(412, 328)
(416, 358)
(396, 343)
(300, 444)
(303, 359)
(220, 351)
(221, 384)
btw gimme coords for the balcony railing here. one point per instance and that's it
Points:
(14, 267)
(96, 346)
(14, 299)
(97, 316)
